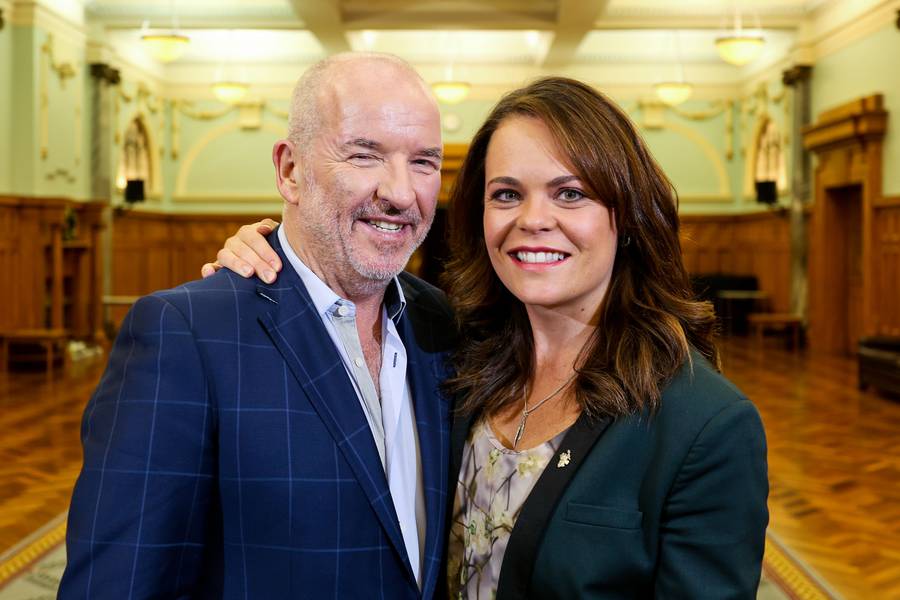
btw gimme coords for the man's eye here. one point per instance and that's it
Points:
(428, 164)
(362, 157)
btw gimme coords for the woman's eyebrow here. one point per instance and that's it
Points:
(504, 180)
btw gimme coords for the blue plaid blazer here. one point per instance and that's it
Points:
(226, 454)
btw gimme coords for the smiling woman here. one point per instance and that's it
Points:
(599, 452)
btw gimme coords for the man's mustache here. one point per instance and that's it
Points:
(385, 209)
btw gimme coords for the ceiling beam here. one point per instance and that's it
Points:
(574, 20)
(323, 20)
(449, 14)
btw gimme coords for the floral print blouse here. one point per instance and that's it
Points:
(493, 484)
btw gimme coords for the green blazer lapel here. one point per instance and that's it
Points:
(528, 532)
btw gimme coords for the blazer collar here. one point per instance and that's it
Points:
(298, 333)
(528, 532)
(432, 415)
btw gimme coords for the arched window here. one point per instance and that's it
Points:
(769, 171)
(134, 163)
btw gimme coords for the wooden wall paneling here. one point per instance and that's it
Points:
(747, 244)
(9, 262)
(154, 250)
(83, 275)
(140, 261)
(887, 257)
(53, 280)
(762, 247)
(844, 263)
(706, 244)
(454, 154)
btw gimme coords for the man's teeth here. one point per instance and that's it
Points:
(385, 226)
(540, 257)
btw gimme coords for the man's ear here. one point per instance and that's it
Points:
(287, 167)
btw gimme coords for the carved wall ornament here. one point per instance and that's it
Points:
(653, 117)
(61, 173)
(64, 71)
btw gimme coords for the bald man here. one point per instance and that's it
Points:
(288, 440)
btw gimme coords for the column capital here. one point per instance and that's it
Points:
(104, 72)
(796, 74)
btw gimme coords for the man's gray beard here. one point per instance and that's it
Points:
(374, 278)
(368, 279)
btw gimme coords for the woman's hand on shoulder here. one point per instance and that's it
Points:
(248, 252)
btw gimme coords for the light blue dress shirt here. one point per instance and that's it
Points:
(391, 420)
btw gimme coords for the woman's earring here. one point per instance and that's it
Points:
(626, 240)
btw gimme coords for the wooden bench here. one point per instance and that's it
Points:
(48, 339)
(788, 322)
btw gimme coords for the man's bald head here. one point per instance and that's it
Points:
(347, 72)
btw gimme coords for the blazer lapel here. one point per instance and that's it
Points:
(431, 415)
(300, 336)
(525, 538)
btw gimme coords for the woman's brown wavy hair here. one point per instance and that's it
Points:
(649, 319)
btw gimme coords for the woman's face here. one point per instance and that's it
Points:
(551, 244)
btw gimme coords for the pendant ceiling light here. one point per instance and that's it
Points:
(230, 84)
(451, 92)
(168, 46)
(165, 47)
(230, 92)
(675, 92)
(738, 46)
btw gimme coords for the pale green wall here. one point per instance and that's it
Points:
(24, 109)
(868, 66)
(64, 169)
(690, 163)
(6, 89)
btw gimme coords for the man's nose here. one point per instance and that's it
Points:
(396, 185)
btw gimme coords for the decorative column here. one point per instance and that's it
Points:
(102, 161)
(798, 78)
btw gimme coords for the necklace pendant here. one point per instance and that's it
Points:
(520, 431)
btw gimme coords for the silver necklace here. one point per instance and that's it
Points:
(527, 411)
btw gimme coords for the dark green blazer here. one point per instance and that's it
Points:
(668, 506)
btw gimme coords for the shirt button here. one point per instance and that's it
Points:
(358, 362)
(342, 311)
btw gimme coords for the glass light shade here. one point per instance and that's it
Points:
(451, 92)
(230, 92)
(165, 47)
(673, 92)
(739, 49)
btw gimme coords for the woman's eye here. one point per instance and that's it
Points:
(505, 196)
(571, 194)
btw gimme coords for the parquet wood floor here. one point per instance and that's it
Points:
(834, 464)
(40, 449)
(834, 459)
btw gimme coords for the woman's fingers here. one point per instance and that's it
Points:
(247, 253)
(209, 269)
(255, 249)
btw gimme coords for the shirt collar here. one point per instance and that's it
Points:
(324, 298)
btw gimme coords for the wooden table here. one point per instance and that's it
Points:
(48, 339)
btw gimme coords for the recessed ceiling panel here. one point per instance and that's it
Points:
(426, 46)
(654, 46)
